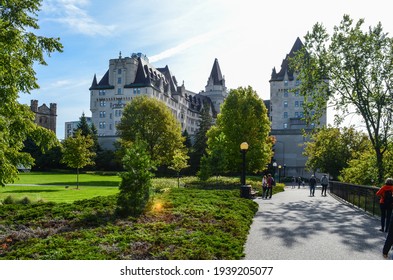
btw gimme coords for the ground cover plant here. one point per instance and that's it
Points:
(195, 221)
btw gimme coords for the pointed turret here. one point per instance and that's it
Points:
(94, 83)
(216, 77)
(285, 69)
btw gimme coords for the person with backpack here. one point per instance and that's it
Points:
(386, 203)
(312, 182)
(324, 184)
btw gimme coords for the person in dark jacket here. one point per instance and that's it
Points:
(312, 182)
(324, 184)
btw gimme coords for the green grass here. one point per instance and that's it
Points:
(62, 179)
(54, 193)
(51, 187)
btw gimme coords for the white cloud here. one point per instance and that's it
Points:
(183, 46)
(72, 14)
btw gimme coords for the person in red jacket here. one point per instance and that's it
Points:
(389, 238)
(386, 210)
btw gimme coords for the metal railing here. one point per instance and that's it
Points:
(363, 197)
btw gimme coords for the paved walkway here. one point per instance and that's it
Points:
(294, 226)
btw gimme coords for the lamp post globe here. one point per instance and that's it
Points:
(245, 191)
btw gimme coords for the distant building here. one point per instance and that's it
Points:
(286, 113)
(70, 127)
(128, 77)
(45, 116)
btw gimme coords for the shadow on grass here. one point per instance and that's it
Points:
(31, 191)
(86, 184)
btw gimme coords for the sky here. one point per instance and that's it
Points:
(248, 38)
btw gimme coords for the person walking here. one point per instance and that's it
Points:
(293, 182)
(324, 184)
(312, 182)
(389, 240)
(299, 182)
(270, 184)
(385, 203)
(264, 186)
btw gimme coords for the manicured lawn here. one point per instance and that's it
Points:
(200, 220)
(51, 187)
(63, 179)
(54, 193)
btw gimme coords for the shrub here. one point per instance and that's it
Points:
(24, 201)
(9, 200)
(135, 181)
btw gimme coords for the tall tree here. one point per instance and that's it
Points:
(200, 144)
(77, 152)
(20, 50)
(149, 120)
(83, 126)
(243, 118)
(330, 149)
(353, 69)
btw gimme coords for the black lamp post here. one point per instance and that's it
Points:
(279, 173)
(243, 149)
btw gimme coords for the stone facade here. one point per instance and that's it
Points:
(45, 116)
(128, 77)
(286, 113)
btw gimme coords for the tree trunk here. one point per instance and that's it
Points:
(77, 178)
(380, 166)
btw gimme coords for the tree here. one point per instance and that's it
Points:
(215, 161)
(20, 50)
(200, 144)
(149, 120)
(243, 118)
(83, 126)
(77, 152)
(136, 180)
(363, 170)
(330, 149)
(352, 69)
(44, 148)
(179, 162)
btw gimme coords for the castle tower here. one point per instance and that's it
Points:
(215, 88)
(44, 116)
(286, 115)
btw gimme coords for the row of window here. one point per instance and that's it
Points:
(118, 113)
(102, 125)
(285, 125)
(296, 103)
(119, 91)
(286, 83)
(297, 115)
(286, 92)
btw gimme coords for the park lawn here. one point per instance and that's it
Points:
(56, 194)
(60, 187)
(208, 221)
(68, 179)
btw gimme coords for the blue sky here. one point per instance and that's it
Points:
(248, 38)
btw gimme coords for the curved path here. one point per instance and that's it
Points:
(294, 226)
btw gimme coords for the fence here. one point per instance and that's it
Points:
(363, 197)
